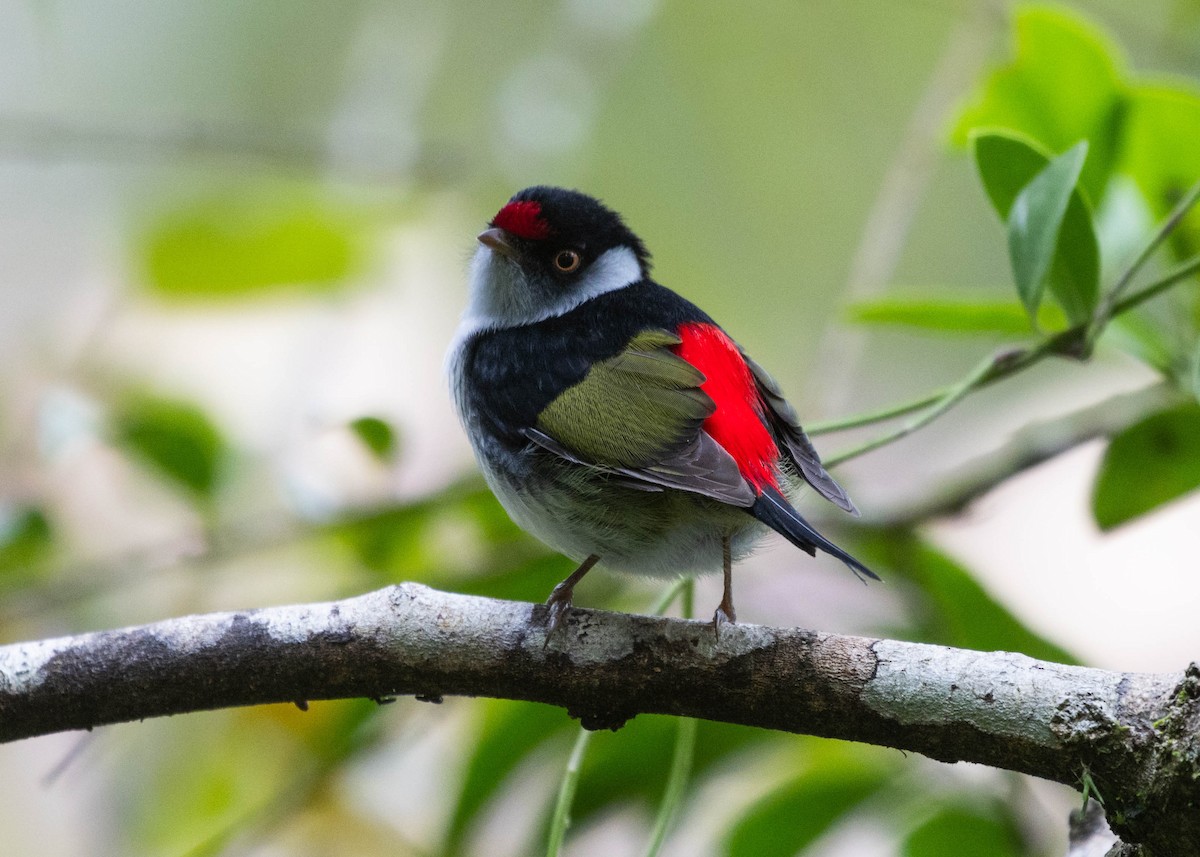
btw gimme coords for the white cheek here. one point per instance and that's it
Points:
(614, 269)
(500, 297)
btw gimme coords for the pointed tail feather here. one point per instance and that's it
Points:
(777, 513)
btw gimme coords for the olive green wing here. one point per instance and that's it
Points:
(639, 414)
(785, 424)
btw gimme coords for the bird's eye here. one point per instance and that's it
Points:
(567, 260)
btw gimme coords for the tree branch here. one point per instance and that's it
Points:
(1027, 448)
(1136, 735)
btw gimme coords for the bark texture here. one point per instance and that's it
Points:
(1134, 735)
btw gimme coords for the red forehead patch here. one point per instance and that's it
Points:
(523, 219)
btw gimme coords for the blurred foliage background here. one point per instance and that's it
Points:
(232, 249)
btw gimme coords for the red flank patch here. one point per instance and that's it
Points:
(737, 424)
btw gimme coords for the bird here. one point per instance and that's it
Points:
(615, 420)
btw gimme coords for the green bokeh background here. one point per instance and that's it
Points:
(232, 246)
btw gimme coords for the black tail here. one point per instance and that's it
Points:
(777, 513)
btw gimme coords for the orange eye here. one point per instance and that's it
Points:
(567, 261)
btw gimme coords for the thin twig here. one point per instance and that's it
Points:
(677, 780)
(1069, 343)
(561, 819)
(681, 757)
(952, 396)
(566, 794)
(668, 597)
(906, 180)
(1075, 342)
(1187, 269)
(1028, 447)
(1104, 310)
(290, 152)
(882, 415)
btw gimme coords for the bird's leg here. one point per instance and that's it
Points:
(560, 597)
(725, 612)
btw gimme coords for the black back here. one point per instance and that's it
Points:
(512, 374)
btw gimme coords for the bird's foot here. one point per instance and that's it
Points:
(559, 603)
(724, 614)
(725, 611)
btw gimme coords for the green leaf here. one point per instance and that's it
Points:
(234, 246)
(1035, 222)
(175, 438)
(376, 435)
(526, 577)
(324, 737)
(1063, 84)
(1160, 152)
(509, 733)
(26, 539)
(1164, 124)
(1148, 464)
(628, 764)
(633, 762)
(1008, 163)
(1124, 224)
(793, 817)
(965, 832)
(388, 542)
(953, 314)
(400, 542)
(204, 779)
(1145, 338)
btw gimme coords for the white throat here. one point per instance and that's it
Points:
(499, 297)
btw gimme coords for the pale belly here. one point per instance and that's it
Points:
(662, 533)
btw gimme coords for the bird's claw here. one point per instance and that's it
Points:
(724, 614)
(558, 603)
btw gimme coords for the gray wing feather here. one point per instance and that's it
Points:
(702, 467)
(786, 424)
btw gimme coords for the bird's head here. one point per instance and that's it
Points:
(547, 251)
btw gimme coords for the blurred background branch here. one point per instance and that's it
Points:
(47, 139)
